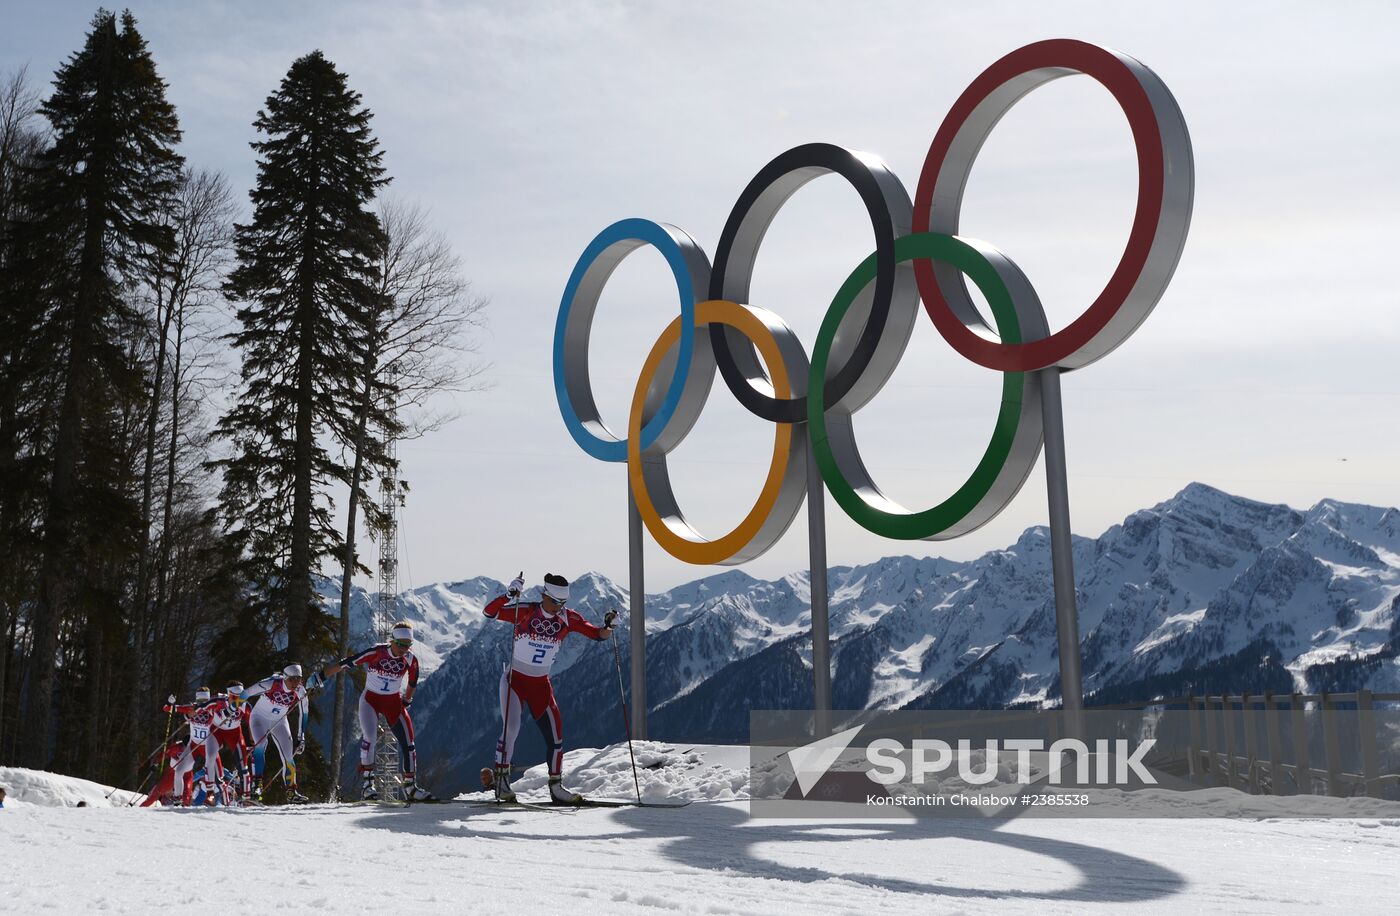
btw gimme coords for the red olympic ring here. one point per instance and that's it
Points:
(1159, 224)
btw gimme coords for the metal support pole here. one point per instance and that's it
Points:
(821, 624)
(637, 604)
(1062, 553)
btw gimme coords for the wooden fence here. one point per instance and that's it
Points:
(1228, 747)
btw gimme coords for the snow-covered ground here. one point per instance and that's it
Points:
(705, 858)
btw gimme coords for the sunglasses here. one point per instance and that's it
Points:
(402, 642)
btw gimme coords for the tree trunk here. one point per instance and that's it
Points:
(298, 586)
(168, 516)
(143, 564)
(58, 572)
(59, 566)
(347, 570)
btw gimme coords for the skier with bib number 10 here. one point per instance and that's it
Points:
(540, 628)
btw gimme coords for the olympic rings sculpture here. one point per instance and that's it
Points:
(918, 256)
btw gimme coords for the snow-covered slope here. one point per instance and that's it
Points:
(50, 790)
(709, 857)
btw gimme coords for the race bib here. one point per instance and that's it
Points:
(536, 652)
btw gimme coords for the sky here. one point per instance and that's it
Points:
(1267, 368)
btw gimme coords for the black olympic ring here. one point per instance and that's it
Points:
(888, 315)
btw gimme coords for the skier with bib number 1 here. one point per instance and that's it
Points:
(386, 666)
(540, 629)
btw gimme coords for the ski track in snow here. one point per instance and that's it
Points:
(709, 857)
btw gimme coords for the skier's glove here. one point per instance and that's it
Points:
(517, 585)
(608, 620)
(170, 700)
(301, 748)
(315, 681)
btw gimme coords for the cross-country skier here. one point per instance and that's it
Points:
(204, 715)
(540, 629)
(386, 665)
(229, 734)
(164, 791)
(276, 697)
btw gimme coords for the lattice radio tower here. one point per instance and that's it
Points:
(387, 777)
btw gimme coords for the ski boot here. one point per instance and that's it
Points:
(501, 782)
(413, 792)
(558, 795)
(367, 790)
(296, 797)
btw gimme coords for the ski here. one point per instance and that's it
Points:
(518, 806)
(618, 803)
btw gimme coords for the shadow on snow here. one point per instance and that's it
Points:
(721, 838)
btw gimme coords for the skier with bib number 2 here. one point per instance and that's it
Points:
(540, 629)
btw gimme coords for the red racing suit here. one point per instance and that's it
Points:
(384, 677)
(526, 684)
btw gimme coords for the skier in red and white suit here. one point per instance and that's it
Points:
(540, 629)
(164, 791)
(386, 666)
(229, 735)
(205, 714)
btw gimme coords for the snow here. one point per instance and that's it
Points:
(709, 857)
(664, 772)
(25, 788)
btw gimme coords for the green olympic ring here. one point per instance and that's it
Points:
(1015, 441)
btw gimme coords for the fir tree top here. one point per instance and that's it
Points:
(114, 134)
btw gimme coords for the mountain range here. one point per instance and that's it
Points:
(1204, 591)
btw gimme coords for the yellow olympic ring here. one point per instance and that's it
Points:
(673, 533)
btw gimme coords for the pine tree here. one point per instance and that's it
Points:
(306, 277)
(20, 484)
(92, 225)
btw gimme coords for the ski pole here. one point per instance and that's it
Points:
(140, 791)
(510, 686)
(168, 716)
(153, 772)
(626, 719)
(159, 748)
